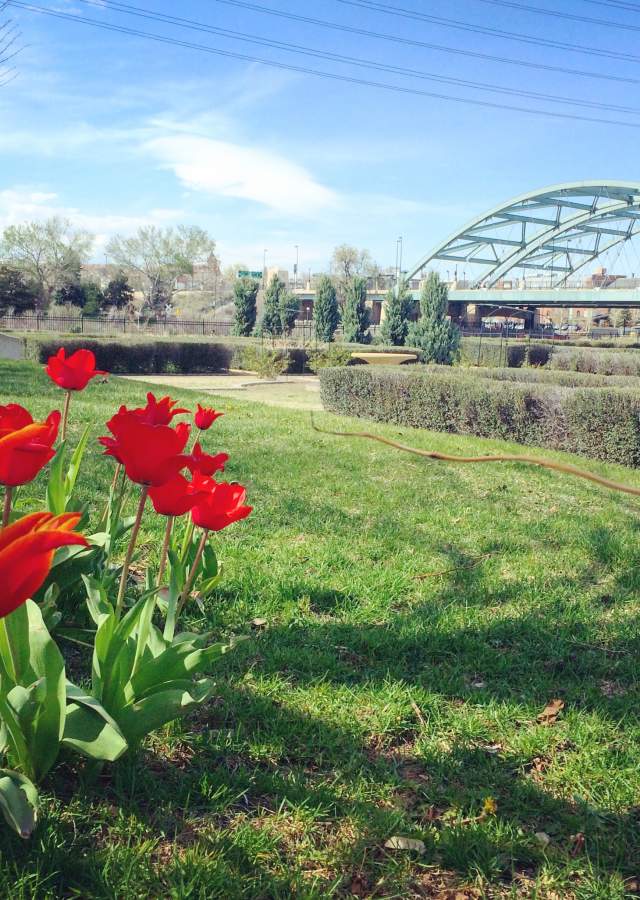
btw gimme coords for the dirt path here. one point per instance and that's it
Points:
(291, 392)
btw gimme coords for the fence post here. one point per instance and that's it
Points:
(81, 323)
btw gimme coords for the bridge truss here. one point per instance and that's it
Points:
(557, 230)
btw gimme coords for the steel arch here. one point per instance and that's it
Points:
(600, 214)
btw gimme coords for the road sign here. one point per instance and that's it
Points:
(245, 273)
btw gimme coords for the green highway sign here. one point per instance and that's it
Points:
(245, 273)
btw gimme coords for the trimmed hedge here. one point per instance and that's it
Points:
(559, 377)
(603, 423)
(141, 358)
(598, 362)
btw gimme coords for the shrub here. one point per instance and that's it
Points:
(539, 354)
(559, 377)
(516, 355)
(481, 351)
(265, 362)
(329, 356)
(596, 361)
(141, 358)
(600, 422)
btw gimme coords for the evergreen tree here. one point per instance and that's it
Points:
(271, 321)
(623, 319)
(118, 292)
(355, 315)
(289, 309)
(326, 315)
(433, 333)
(398, 307)
(15, 291)
(245, 292)
(71, 293)
(93, 298)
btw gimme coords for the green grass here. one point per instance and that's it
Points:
(376, 702)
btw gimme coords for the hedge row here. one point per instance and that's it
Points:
(603, 423)
(599, 362)
(142, 358)
(491, 351)
(185, 357)
(557, 376)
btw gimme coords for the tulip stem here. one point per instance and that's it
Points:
(130, 549)
(194, 571)
(6, 510)
(165, 548)
(65, 415)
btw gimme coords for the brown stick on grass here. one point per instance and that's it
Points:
(567, 468)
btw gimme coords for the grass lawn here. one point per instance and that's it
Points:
(420, 616)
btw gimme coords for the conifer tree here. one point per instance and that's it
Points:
(245, 291)
(271, 321)
(398, 307)
(355, 315)
(326, 315)
(434, 333)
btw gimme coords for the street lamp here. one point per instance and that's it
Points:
(295, 269)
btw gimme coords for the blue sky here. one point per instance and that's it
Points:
(114, 131)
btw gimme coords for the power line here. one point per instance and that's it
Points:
(616, 4)
(350, 29)
(334, 76)
(574, 17)
(141, 12)
(483, 29)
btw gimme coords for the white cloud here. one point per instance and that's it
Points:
(225, 169)
(19, 205)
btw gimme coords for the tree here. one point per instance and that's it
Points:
(71, 293)
(93, 298)
(15, 292)
(47, 253)
(355, 315)
(623, 318)
(245, 292)
(160, 255)
(118, 293)
(289, 309)
(398, 307)
(347, 262)
(271, 321)
(434, 333)
(326, 314)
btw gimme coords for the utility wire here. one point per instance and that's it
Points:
(409, 42)
(574, 17)
(616, 4)
(141, 12)
(334, 76)
(483, 29)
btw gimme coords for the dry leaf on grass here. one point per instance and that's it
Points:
(404, 843)
(550, 713)
(542, 838)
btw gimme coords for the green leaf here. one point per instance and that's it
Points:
(18, 802)
(97, 601)
(150, 713)
(74, 466)
(55, 486)
(90, 729)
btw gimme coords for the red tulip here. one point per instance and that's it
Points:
(150, 454)
(205, 463)
(205, 417)
(26, 554)
(75, 372)
(175, 498)
(221, 505)
(12, 417)
(158, 412)
(24, 451)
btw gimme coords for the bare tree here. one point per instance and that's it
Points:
(47, 253)
(348, 262)
(160, 255)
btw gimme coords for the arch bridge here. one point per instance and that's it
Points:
(557, 231)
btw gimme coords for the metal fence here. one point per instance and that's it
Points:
(89, 325)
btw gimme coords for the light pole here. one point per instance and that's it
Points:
(264, 268)
(295, 269)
